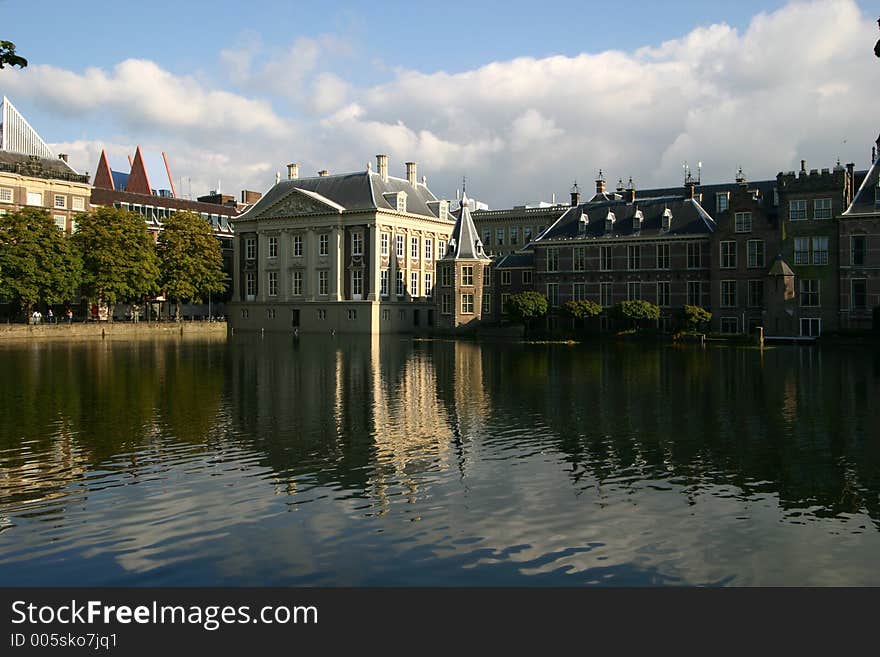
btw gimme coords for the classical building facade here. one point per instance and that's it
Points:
(349, 253)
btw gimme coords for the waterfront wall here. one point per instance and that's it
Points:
(111, 330)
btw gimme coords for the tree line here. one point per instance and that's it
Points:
(110, 258)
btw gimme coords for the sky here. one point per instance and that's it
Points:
(522, 98)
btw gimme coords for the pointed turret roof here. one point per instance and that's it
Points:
(780, 267)
(138, 180)
(465, 242)
(103, 175)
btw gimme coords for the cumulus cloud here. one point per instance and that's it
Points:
(792, 85)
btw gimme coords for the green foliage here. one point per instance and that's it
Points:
(37, 261)
(635, 311)
(525, 306)
(191, 262)
(119, 259)
(582, 309)
(8, 56)
(695, 316)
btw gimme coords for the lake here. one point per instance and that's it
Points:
(361, 461)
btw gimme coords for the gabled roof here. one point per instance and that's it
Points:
(519, 260)
(103, 174)
(780, 267)
(865, 199)
(138, 180)
(465, 243)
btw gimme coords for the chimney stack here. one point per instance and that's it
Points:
(323, 173)
(690, 186)
(292, 171)
(600, 183)
(803, 167)
(382, 167)
(850, 182)
(575, 194)
(62, 156)
(630, 191)
(411, 176)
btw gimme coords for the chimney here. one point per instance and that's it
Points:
(62, 156)
(292, 171)
(382, 167)
(620, 185)
(323, 173)
(575, 194)
(600, 183)
(690, 186)
(803, 167)
(630, 191)
(850, 182)
(411, 177)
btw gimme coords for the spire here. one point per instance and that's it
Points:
(103, 175)
(138, 180)
(464, 243)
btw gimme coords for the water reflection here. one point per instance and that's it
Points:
(391, 461)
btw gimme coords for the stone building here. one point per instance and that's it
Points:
(354, 252)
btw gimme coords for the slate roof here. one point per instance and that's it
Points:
(864, 202)
(688, 218)
(39, 167)
(465, 243)
(780, 267)
(359, 191)
(519, 260)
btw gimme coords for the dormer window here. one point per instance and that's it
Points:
(638, 218)
(401, 201)
(666, 219)
(444, 210)
(451, 246)
(609, 222)
(583, 222)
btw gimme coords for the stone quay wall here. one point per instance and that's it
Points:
(111, 330)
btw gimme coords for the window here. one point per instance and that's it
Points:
(5, 195)
(822, 208)
(429, 249)
(663, 293)
(250, 285)
(487, 303)
(634, 257)
(514, 235)
(553, 259)
(487, 237)
(399, 283)
(441, 248)
(633, 290)
(446, 304)
(352, 314)
(579, 260)
(60, 201)
(742, 222)
(526, 276)
(383, 241)
(272, 280)
(446, 276)
(401, 315)
(357, 244)
(414, 248)
(756, 294)
(694, 293)
(729, 325)
(273, 247)
(728, 255)
(553, 294)
(578, 291)
(811, 327)
(809, 292)
(414, 283)
(858, 245)
(322, 283)
(755, 253)
(357, 283)
(859, 298)
(604, 258)
(527, 234)
(244, 313)
(694, 255)
(467, 275)
(467, 304)
(487, 275)
(323, 244)
(35, 198)
(297, 283)
(505, 278)
(383, 283)
(801, 250)
(499, 237)
(429, 283)
(322, 314)
(297, 246)
(728, 294)
(721, 202)
(386, 314)
(504, 299)
(250, 248)
(663, 256)
(79, 203)
(797, 210)
(399, 244)
(270, 313)
(401, 201)
(605, 294)
(820, 250)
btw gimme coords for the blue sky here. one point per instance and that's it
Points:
(521, 97)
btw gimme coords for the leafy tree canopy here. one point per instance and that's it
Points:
(191, 263)
(526, 306)
(694, 316)
(635, 311)
(582, 309)
(119, 258)
(8, 56)
(37, 261)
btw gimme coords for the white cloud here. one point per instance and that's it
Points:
(794, 84)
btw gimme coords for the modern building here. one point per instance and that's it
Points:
(31, 175)
(349, 253)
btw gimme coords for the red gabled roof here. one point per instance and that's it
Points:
(138, 180)
(103, 176)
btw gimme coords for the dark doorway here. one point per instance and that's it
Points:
(294, 317)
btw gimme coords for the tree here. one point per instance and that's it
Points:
(119, 259)
(695, 316)
(37, 261)
(191, 263)
(582, 310)
(635, 311)
(8, 56)
(526, 306)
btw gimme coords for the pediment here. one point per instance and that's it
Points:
(299, 202)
